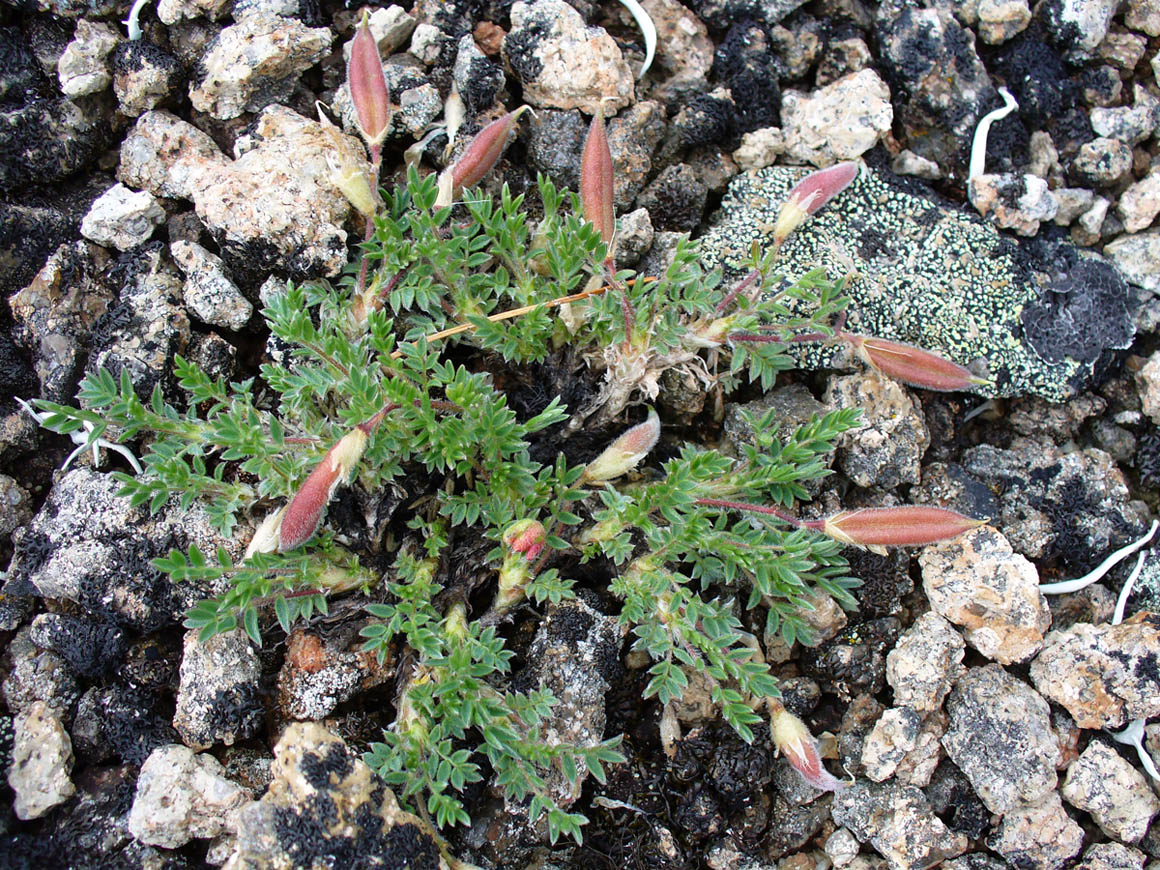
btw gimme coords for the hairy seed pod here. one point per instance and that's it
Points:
(304, 513)
(793, 740)
(368, 86)
(907, 526)
(913, 365)
(626, 452)
(809, 195)
(596, 179)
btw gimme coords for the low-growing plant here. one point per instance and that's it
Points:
(398, 373)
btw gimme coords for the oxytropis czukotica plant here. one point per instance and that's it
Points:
(398, 380)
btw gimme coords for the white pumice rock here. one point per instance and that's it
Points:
(83, 68)
(1140, 203)
(121, 218)
(42, 761)
(841, 121)
(209, 293)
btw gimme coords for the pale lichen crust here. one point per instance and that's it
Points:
(941, 278)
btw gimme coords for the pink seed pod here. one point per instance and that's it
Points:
(907, 526)
(484, 151)
(913, 365)
(809, 195)
(368, 86)
(526, 537)
(626, 452)
(304, 513)
(596, 179)
(794, 741)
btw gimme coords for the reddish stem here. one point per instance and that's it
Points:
(736, 291)
(762, 509)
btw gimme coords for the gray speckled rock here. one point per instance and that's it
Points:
(38, 676)
(1111, 856)
(144, 74)
(172, 11)
(1116, 794)
(1131, 124)
(324, 801)
(316, 675)
(83, 68)
(1102, 162)
(275, 207)
(122, 218)
(563, 64)
(1013, 202)
(1000, 736)
(165, 155)
(42, 760)
(1080, 25)
(841, 121)
(1104, 675)
(55, 314)
(1138, 257)
(886, 448)
(925, 663)
(1040, 836)
(898, 823)
(1070, 504)
(977, 581)
(254, 63)
(939, 277)
(941, 87)
(88, 546)
(209, 293)
(183, 796)
(893, 735)
(1140, 203)
(218, 700)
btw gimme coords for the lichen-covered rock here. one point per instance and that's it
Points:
(477, 78)
(47, 140)
(1000, 736)
(118, 722)
(854, 661)
(684, 50)
(55, 314)
(42, 760)
(675, 199)
(938, 277)
(1071, 505)
(144, 74)
(254, 63)
(151, 324)
(1038, 836)
(977, 581)
(841, 121)
(325, 805)
(1116, 794)
(925, 663)
(90, 648)
(760, 148)
(574, 655)
(886, 448)
(122, 218)
(1131, 124)
(940, 85)
(209, 293)
(15, 505)
(275, 206)
(83, 68)
(167, 156)
(1103, 675)
(317, 675)
(38, 676)
(1102, 162)
(1000, 20)
(897, 822)
(90, 547)
(181, 796)
(893, 735)
(1079, 25)
(218, 700)
(563, 64)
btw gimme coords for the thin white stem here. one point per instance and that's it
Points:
(1122, 601)
(83, 441)
(1100, 570)
(132, 22)
(647, 28)
(978, 164)
(1133, 735)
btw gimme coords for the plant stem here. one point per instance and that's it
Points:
(761, 509)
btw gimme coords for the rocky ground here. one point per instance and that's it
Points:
(154, 191)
